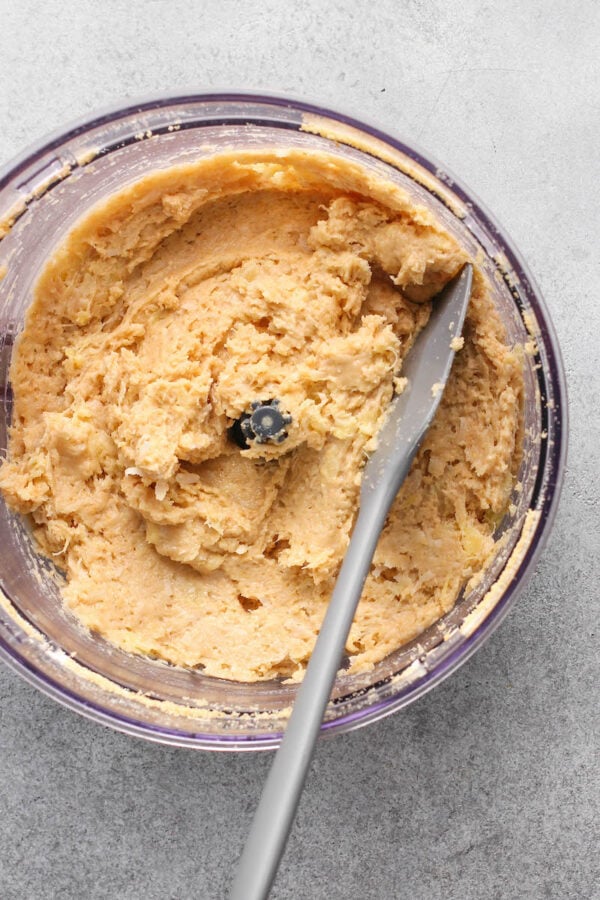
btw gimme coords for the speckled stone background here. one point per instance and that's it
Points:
(488, 787)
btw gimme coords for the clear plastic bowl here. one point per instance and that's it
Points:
(42, 193)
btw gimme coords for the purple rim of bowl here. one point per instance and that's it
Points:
(552, 453)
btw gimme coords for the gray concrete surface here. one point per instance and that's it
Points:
(488, 787)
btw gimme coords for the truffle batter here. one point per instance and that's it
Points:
(163, 315)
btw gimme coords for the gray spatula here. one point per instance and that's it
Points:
(427, 368)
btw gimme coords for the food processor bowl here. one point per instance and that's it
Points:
(51, 186)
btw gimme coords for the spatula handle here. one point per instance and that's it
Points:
(277, 808)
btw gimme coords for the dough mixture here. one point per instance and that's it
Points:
(165, 313)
